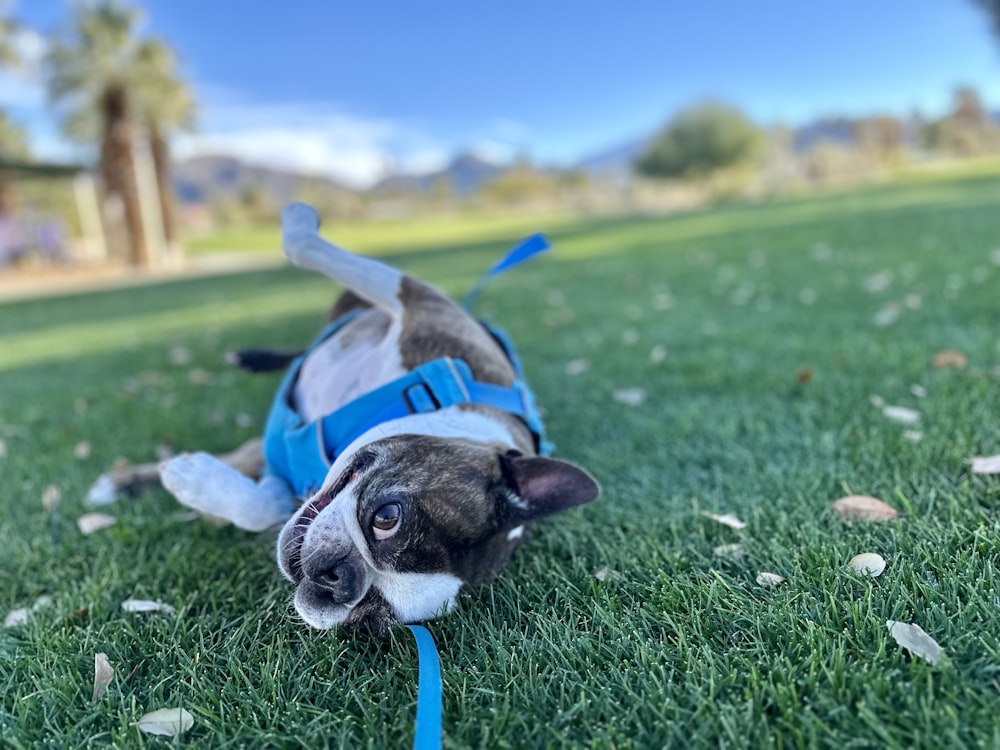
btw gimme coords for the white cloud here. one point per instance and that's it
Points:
(313, 137)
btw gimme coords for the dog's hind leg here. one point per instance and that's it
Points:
(131, 479)
(207, 485)
(375, 282)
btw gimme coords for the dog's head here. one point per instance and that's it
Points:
(411, 519)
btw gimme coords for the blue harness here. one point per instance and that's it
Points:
(302, 453)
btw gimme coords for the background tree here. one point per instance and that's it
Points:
(992, 7)
(164, 104)
(13, 142)
(92, 70)
(700, 140)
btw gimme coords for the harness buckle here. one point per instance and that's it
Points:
(420, 399)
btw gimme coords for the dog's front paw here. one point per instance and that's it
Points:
(199, 481)
(207, 485)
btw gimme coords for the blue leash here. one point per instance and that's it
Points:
(528, 248)
(427, 735)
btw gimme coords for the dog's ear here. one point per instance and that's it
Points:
(542, 486)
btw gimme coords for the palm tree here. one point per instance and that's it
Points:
(92, 70)
(13, 143)
(163, 104)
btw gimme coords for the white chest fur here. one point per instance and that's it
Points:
(347, 366)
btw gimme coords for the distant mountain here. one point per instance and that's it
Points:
(463, 176)
(616, 161)
(206, 178)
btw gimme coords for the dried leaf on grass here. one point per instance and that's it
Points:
(950, 358)
(867, 564)
(20, 615)
(863, 508)
(602, 574)
(51, 498)
(901, 414)
(88, 523)
(727, 519)
(629, 396)
(731, 551)
(985, 464)
(16, 617)
(167, 722)
(770, 579)
(913, 638)
(146, 605)
(103, 674)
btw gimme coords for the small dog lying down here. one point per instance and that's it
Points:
(401, 452)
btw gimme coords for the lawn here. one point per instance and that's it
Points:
(759, 335)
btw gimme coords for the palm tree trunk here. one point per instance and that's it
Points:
(160, 149)
(118, 170)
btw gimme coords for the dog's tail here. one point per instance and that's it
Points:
(262, 360)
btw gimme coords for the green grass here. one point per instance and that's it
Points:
(677, 646)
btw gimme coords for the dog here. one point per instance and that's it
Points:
(401, 453)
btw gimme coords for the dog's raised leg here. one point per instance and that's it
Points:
(374, 281)
(207, 485)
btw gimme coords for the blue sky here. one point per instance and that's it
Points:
(351, 89)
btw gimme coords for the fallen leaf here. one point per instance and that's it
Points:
(732, 551)
(180, 356)
(629, 396)
(913, 638)
(879, 282)
(901, 414)
(577, 366)
(863, 508)
(985, 464)
(602, 574)
(88, 523)
(103, 674)
(886, 316)
(82, 450)
(950, 358)
(198, 376)
(20, 615)
(867, 564)
(146, 605)
(918, 390)
(16, 617)
(51, 498)
(726, 520)
(770, 579)
(167, 722)
(805, 375)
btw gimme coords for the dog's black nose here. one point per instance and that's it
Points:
(339, 581)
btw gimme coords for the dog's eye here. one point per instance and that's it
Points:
(385, 522)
